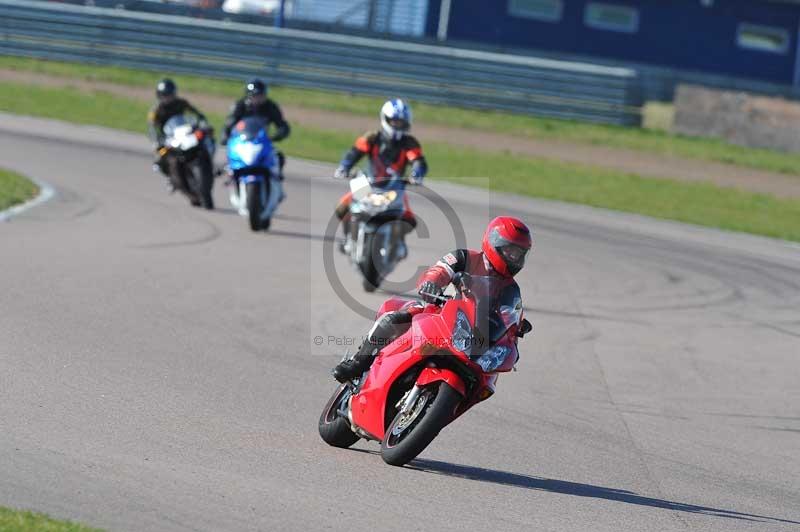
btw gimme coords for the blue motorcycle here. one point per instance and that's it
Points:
(255, 187)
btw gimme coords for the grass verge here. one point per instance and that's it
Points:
(15, 189)
(22, 521)
(655, 140)
(698, 203)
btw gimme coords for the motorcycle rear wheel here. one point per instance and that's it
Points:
(334, 429)
(406, 437)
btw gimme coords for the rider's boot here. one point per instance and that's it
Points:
(279, 185)
(388, 327)
(160, 167)
(344, 243)
(349, 369)
(169, 185)
(279, 172)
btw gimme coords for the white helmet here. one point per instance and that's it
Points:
(395, 119)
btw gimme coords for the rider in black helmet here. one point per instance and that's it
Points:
(167, 106)
(256, 103)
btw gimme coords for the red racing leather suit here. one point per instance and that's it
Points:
(460, 261)
(387, 159)
(392, 324)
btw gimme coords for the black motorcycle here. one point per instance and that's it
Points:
(189, 151)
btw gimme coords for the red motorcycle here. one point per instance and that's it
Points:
(443, 365)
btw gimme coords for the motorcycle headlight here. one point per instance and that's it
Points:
(462, 333)
(493, 358)
(249, 152)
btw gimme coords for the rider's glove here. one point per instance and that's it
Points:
(416, 179)
(341, 173)
(430, 291)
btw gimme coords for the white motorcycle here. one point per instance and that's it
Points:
(376, 239)
(189, 146)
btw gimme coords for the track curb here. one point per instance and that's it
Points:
(46, 193)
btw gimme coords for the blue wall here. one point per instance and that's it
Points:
(673, 33)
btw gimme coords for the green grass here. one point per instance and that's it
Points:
(72, 105)
(14, 189)
(22, 521)
(654, 140)
(698, 203)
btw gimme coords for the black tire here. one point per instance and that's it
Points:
(204, 177)
(333, 429)
(398, 450)
(254, 204)
(372, 278)
(182, 179)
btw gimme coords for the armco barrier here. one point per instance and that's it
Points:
(297, 58)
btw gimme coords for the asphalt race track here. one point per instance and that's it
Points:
(159, 368)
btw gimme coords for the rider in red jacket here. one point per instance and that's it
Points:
(390, 152)
(505, 245)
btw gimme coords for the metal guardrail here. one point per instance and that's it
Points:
(297, 58)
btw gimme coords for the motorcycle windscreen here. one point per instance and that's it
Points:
(360, 187)
(176, 122)
(251, 128)
(498, 308)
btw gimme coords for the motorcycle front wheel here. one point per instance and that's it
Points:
(204, 180)
(333, 428)
(372, 278)
(410, 433)
(254, 206)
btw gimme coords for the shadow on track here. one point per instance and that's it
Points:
(290, 218)
(295, 234)
(277, 216)
(505, 478)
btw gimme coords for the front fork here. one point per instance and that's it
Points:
(407, 403)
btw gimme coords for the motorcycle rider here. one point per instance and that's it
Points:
(505, 245)
(391, 151)
(167, 106)
(256, 103)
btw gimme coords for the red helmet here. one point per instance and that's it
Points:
(506, 243)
